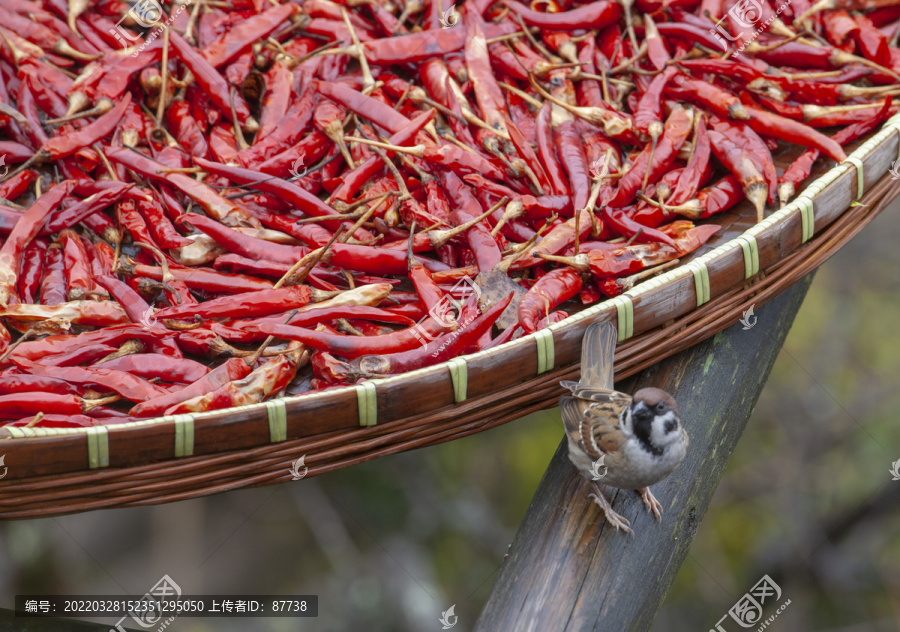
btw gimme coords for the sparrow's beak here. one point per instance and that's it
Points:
(640, 411)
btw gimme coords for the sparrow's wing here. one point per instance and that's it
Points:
(594, 426)
(597, 351)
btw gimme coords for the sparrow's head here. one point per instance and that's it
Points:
(655, 419)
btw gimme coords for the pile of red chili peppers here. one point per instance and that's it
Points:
(206, 202)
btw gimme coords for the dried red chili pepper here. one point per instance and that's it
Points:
(26, 229)
(243, 34)
(32, 269)
(125, 384)
(52, 288)
(743, 164)
(237, 242)
(214, 204)
(233, 369)
(268, 379)
(212, 83)
(76, 264)
(17, 405)
(596, 15)
(437, 350)
(355, 346)
(150, 366)
(552, 289)
(677, 129)
(801, 167)
(250, 304)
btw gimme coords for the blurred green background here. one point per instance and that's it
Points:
(389, 545)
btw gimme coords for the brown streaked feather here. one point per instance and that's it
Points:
(603, 423)
(594, 426)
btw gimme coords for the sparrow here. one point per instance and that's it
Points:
(639, 439)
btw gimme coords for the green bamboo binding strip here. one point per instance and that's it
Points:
(807, 218)
(751, 255)
(625, 310)
(459, 375)
(277, 413)
(860, 184)
(367, 398)
(701, 281)
(545, 350)
(98, 447)
(184, 434)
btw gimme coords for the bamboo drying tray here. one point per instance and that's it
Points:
(59, 471)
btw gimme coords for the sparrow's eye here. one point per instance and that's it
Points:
(660, 407)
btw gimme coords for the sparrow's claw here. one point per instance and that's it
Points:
(619, 522)
(650, 502)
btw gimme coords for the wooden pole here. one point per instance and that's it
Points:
(567, 569)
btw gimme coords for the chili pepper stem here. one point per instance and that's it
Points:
(448, 137)
(521, 94)
(368, 79)
(531, 175)
(166, 275)
(25, 336)
(629, 21)
(437, 106)
(128, 347)
(523, 248)
(612, 125)
(14, 114)
(815, 111)
(164, 71)
(595, 193)
(416, 150)
(363, 219)
(821, 5)
(759, 48)
(580, 261)
(35, 421)
(236, 126)
(634, 237)
(629, 63)
(109, 168)
(39, 158)
(103, 106)
(626, 283)
(757, 194)
(786, 191)
(335, 131)
(251, 360)
(690, 209)
(504, 38)
(439, 238)
(513, 210)
(76, 8)
(90, 404)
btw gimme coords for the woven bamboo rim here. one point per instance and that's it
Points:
(53, 472)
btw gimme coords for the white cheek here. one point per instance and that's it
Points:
(658, 435)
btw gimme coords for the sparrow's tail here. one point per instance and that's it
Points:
(597, 351)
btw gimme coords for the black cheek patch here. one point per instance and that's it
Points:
(643, 425)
